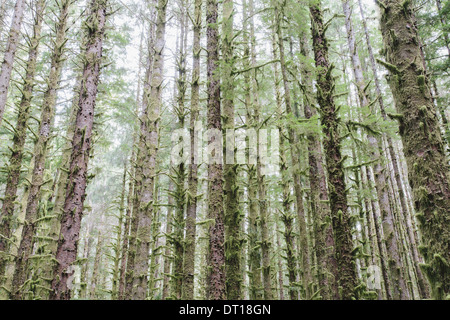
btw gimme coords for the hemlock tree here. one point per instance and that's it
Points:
(422, 139)
(76, 187)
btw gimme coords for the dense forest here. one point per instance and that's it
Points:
(224, 150)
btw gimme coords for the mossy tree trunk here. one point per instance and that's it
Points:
(342, 228)
(179, 171)
(93, 290)
(320, 210)
(260, 166)
(423, 286)
(216, 252)
(38, 180)
(126, 231)
(138, 164)
(66, 254)
(422, 139)
(286, 214)
(150, 138)
(10, 53)
(119, 230)
(254, 249)
(233, 242)
(395, 263)
(20, 133)
(191, 201)
(168, 245)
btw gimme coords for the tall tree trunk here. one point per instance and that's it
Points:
(216, 253)
(3, 11)
(191, 206)
(422, 140)
(390, 236)
(286, 215)
(254, 249)
(346, 273)
(137, 176)
(233, 241)
(180, 169)
(15, 161)
(444, 23)
(323, 232)
(423, 286)
(127, 224)
(121, 227)
(96, 268)
(149, 152)
(260, 167)
(130, 234)
(66, 254)
(167, 250)
(8, 58)
(41, 147)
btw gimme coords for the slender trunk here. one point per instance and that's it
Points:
(167, 253)
(260, 167)
(40, 153)
(137, 168)
(8, 58)
(191, 206)
(233, 241)
(125, 240)
(20, 131)
(390, 236)
(180, 169)
(66, 254)
(96, 268)
(286, 215)
(149, 153)
(444, 23)
(118, 257)
(216, 253)
(324, 242)
(346, 273)
(254, 250)
(423, 286)
(84, 269)
(280, 263)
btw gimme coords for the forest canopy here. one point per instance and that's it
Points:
(224, 150)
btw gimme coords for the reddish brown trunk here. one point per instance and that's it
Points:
(216, 253)
(66, 254)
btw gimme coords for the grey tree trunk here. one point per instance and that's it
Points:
(8, 58)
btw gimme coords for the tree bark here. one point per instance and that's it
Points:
(191, 206)
(41, 147)
(254, 250)
(423, 286)
(233, 242)
(400, 291)
(66, 254)
(216, 253)
(8, 58)
(422, 139)
(346, 273)
(150, 148)
(20, 132)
